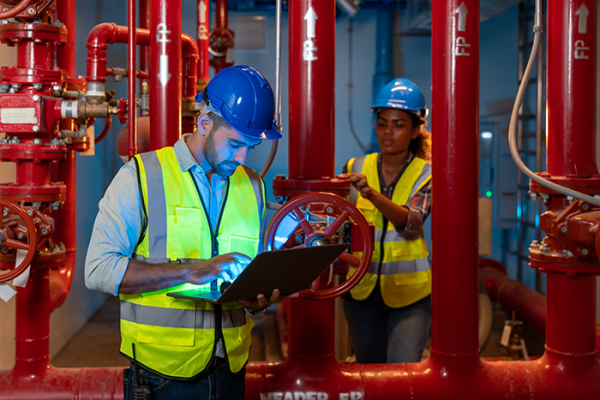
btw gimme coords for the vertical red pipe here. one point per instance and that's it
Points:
(203, 16)
(455, 80)
(571, 84)
(34, 55)
(144, 24)
(312, 53)
(132, 81)
(221, 14)
(65, 229)
(165, 73)
(33, 328)
(311, 82)
(571, 314)
(66, 54)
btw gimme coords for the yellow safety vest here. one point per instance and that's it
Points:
(401, 264)
(176, 337)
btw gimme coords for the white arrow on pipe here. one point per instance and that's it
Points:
(583, 13)
(462, 16)
(202, 12)
(163, 72)
(311, 20)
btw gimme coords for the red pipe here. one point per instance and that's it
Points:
(131, 82)
(190, 52)
(102, 135)
(66, 54)
(513, 295)
(144, 24)
(311, 93)
(571, 85)
(222, 14)
(203, 21)
(455, 82)
(165, 73)
(15, 10)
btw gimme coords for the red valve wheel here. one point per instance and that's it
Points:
(323, 236)
(5, 241)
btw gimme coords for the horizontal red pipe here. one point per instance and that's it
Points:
(110, 33)
(529, 304)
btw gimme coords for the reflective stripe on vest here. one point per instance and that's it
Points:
(175, 337)
(404, 270)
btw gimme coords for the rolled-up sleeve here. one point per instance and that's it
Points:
(116, 232)
(418, 209)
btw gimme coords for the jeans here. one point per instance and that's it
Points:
(381, 334)
(219, 384)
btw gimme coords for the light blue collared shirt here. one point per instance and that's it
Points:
(120, 221)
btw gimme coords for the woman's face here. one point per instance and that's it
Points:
(394, 130)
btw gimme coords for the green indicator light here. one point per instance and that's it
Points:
(488, 193)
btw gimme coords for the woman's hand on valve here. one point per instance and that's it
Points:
(261, 303)
(359, 181)
(224, 266)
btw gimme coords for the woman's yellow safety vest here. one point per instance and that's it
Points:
(176, 337)
(401, 264)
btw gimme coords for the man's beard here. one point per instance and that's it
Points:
(210, 153)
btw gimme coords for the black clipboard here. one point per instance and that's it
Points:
(289, 270)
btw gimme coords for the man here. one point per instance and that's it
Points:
(188, 215)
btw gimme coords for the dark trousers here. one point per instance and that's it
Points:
(219, 383)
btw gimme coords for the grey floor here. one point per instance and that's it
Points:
(97, 343)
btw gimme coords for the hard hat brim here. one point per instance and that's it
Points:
(270, 134)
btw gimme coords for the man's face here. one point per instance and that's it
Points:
(225, 149)
(394, 130)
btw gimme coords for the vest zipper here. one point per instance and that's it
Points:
(214, 253)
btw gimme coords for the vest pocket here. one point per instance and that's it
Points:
(167, 325)
(242, 244)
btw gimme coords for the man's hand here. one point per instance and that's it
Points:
(261, 302)
(224, 266)
(359, 181)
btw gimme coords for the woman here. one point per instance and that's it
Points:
(389, 311)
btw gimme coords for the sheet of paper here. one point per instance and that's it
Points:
(6, 292)
(21, 280)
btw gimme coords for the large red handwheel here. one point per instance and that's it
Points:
(7, 241)
(303, 233)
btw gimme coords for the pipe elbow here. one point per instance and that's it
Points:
(103, 34)
(189, 47)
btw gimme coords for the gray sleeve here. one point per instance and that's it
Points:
(116, 232)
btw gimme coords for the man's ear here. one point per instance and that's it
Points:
(204, 124)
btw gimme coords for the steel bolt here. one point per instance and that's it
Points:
(585, 207)
(5, 213)
(545, 198)
(535, 243)
(5, 9)
(329, 209)
(584, 252)
(31, 11)
(36, 97)
(30, 212)
(563, 229)
(533, 196)
(36, 128)
(44, 231)
(299, 239)
(37, 86)
(20, 235)
(544, 248)
(570, 199)
(597, 196)
(37, 141)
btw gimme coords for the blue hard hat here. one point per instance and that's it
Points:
(244, 98)
(403, 94)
